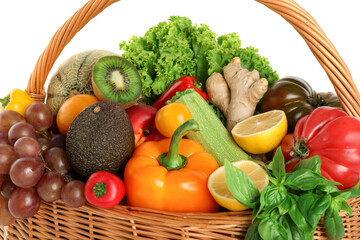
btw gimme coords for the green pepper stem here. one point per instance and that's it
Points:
(172, 160)
(4, 101)
(99, 189)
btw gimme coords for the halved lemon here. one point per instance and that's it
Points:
(221, 193)
(261, 133)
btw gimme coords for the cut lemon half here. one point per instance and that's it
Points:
(221, 193)
(261, 133)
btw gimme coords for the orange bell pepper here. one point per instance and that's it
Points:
(171, 174)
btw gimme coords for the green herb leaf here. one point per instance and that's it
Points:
(305, 179)
(353, 193)
(313, 206)
(278, 165)
(272, 197)
(296, 214)
(270, 229)
(346, 208)
(312, 163)
(253, 232)
(327, 188)
(241, 186)
(334, 227)
(293, 231)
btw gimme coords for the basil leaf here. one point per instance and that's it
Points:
(278, 165)
(327, 188)
(253, 232)
(241, 186)
(313, 206)
(312, 163)
(334, 227)
(305, 179)
(273, 196)
(293, 231)
(350, 194)
(296, 214)
(346, 207)
(269, 229)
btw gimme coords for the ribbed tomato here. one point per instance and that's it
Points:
(332, 135)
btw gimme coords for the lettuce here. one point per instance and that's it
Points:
(177, 47)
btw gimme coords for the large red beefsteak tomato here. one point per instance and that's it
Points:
(332, 135)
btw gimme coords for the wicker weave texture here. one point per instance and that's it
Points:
(56, 221)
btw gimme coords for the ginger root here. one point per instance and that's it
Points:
(236, 93)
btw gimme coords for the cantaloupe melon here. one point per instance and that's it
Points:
(73, 76)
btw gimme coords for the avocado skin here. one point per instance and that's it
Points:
(100, 140)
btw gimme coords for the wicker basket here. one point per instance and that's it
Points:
(56, 221)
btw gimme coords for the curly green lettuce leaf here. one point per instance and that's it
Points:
(177, 47)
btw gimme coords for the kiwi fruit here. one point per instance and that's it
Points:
(100, 138)
(116, 79)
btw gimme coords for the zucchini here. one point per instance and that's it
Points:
(213, 135)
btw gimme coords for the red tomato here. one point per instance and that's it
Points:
(335, 137)
(104, 189)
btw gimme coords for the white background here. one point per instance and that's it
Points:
(26, 27)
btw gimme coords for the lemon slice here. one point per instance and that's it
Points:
(221, 193)
(261, 133)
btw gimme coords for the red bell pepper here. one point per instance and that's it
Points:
(332, 135)
(180, 85)
(104, 189)
(142, 118)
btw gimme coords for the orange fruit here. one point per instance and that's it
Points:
(71, 108)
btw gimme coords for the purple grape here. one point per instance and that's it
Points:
(4, 139)
(58, 140)
(19, 130)
(72, 194)
(45, 144)
(7, 188)
(7, 157)
(26, 172)
(57, 160)
(27, 147)
(54, 128)
(9, 118)
(24, 203)
(50, 185)
(39, 115)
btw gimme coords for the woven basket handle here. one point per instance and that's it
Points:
(305, 25)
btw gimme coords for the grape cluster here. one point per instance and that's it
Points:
(33, 164)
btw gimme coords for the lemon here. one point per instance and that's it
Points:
(221, 193)
(261, 133)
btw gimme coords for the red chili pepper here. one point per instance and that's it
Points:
(180, 85)
(104, 189)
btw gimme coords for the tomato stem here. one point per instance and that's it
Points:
(318, 101)
(172, 160)
(300, 150)
(99, 189)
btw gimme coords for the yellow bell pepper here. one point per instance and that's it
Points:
(17, 100)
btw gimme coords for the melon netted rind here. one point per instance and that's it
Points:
(73, 76)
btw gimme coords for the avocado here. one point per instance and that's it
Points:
(101, 137)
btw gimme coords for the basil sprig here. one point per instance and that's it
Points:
(293, 203)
